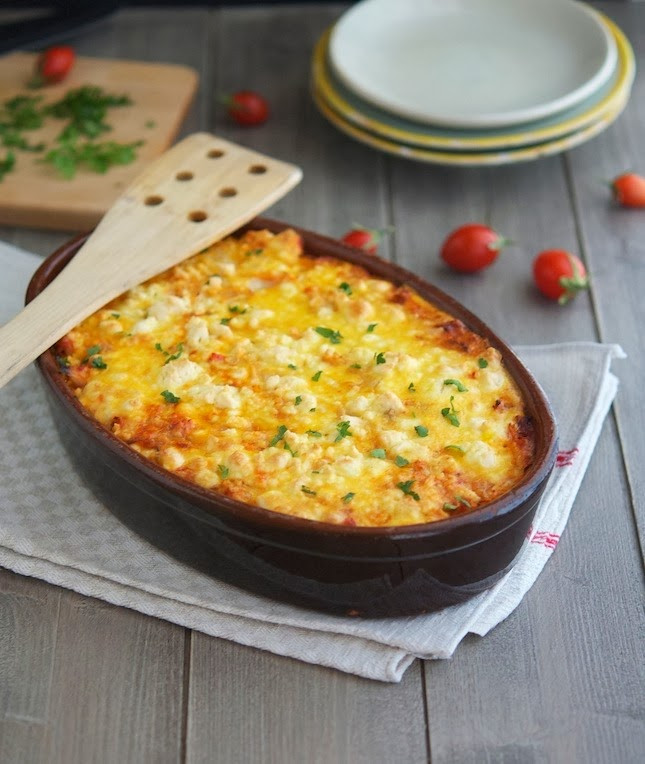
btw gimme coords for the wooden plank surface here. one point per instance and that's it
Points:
(614, 243)
(561, 679)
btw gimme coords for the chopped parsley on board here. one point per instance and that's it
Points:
(83, 115)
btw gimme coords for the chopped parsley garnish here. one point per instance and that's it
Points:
(407, 489)
(401, 461)
(454, 447)
(85, 108)
(345, 287)
(170, 397)
(459, 385)
(348, 497)
(169, 357)
(278, 436)
(314, 433)
(316, 376)
(378, 453)
(412, 388)
(97, 157)
(379, 358)
(343, 431)
(223, 470)
(292, 366)
(115, 315)
(7, 164)
(447, 507)
(306, 490)
(421, 431)
(225, 321)
(333, 336)
(482, 363)
(258, 251)
(371, 328)
(236, 309)
(356, 366)
(298, 400)
(450, 413)
(93, 358)
(288, 448)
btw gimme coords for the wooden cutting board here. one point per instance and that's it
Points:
(33, 195)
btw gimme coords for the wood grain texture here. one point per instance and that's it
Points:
(29, 612)
(614, 246)
(116, 686)
(279, 711)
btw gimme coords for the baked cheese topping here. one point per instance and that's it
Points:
(303, 385)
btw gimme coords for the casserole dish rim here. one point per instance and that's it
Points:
(534, 398)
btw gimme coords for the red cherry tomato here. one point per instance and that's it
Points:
(56, 63)
(472, 247)
(366, 239)
(248, 108)
(629, 190)
(559, 275)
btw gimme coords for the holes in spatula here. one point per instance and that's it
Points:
(215, 154)
(257, 169)
(153, 200)
(227, 192)
(184, 175)
(197, 216)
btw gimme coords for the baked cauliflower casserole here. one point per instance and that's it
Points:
(303, 385)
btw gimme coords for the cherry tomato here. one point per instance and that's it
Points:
(55, 63)
(629, 190)
(248, 108)
(472, 247)
(559, 275)
(366, 239)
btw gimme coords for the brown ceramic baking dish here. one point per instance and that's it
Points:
(340, 569)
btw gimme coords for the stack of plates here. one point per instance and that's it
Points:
(472, 82)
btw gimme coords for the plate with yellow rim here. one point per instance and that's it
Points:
(368, 117)
(470, 158)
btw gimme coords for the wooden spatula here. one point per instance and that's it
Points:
(196, 193)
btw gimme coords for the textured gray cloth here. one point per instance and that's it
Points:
(53, 528)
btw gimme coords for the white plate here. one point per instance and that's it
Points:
(472, 63)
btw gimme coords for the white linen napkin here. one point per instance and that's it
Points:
(52, 527)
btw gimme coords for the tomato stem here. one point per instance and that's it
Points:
(572, 284)
(377, 234)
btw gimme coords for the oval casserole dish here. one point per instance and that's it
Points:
(362, 571)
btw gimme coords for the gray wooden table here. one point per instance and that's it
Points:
(562, 678)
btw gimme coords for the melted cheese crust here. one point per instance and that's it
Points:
(303, 385)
